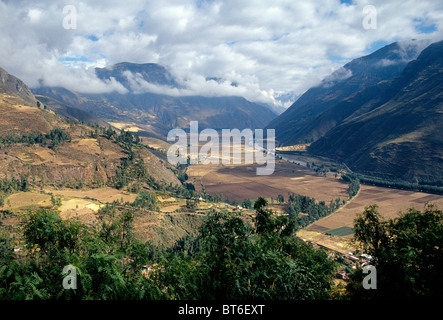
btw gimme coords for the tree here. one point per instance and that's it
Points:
(233, 259)
(293, 211)
(146, 200)
(354, 187)
(247, 204)
(191, 204)
(108, 265)
(23, 183)
(408, 254)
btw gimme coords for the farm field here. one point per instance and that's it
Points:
(240, 182)
(74, 204)
(173, 220)
(102, 195)
(330, 242)
(390, 203)
(27, 201)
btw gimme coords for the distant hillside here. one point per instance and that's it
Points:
(50, 149)
(17, 91)
(399, 132)
(155, 114)
(15, 88)
(70, 112)
(341, 94)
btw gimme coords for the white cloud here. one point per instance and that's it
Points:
(269, 49)
(338, 75)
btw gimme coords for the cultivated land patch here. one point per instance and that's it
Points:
(102, 195)
(240, 182)
(24, 201)
(82, 204)
(90, 146)
(82, 209)
(173, 221)
(390, 203)
(331, 242)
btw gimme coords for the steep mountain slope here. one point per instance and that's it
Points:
(398, 133)
(154, 113)
(70, 112)
(18, 108)
(342, 93)
(54, 150)
(15, 88)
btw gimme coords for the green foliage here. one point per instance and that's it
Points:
(132, 168)
(237, 261)
(267, 224)
(107, 257)
(56, 201)
(430, 186)
(293, 210)
(14, 184)
(126, 139)
(354, 187)
(53, 139)
(191, 204)
(247, 204)
(180, 172)
(408, 254)
(229, 259)
(312, 209)
(147, 201)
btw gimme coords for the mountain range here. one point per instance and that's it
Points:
(155, 113)
(381, 114)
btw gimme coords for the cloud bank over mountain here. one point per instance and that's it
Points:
(267, 49)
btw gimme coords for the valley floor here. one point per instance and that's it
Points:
(239, 182)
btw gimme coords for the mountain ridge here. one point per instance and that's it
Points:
(294, 126)
(150, 72)
(12, 85)
(155, 114)
(397, 133)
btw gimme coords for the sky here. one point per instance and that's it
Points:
(272, 50)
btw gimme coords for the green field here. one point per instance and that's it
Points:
(342, 231)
